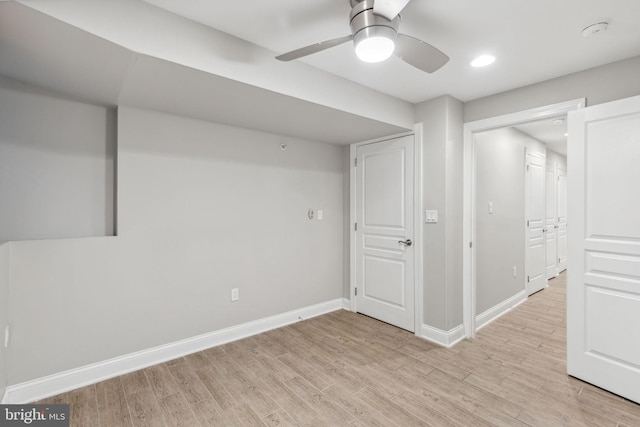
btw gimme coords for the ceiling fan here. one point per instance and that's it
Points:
(374, 31)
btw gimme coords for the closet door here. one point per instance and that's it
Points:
(562, 219)
(551, 221)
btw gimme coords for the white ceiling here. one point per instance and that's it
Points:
(214, 60)
(550, 131)
(532, 40)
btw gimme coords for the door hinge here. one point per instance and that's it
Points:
(356, 291)
(355, 162)
(355, 227)
(528, 279)
(470, 244)
(527, 168)
(527, 223)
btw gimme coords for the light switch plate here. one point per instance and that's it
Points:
(431, 216)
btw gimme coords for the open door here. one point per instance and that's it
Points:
(603, 288)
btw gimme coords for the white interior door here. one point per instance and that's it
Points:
(384, 231)
(603, 289)
(562, 219)
(535, 213)
(551, 221)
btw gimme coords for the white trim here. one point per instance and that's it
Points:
(79, 377)
(352, 220)
(468, 210)
(346, 304)
(417, 220)
(418, 227)
(503, 308)
(444, 338)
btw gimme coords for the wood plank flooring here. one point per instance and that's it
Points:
(345, 369)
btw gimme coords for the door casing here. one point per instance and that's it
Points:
(468, 212)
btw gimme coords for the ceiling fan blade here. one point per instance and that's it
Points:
(313, 48)
(420, 54)
(389, 8)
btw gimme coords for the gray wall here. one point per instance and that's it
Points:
(500, 236)
(202, 208)
(442, 191)
(4, 312)
(601, 84)
(346, 224)
(556, 158)
(56, 167)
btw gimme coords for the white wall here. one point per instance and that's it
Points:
(56, 167)
(442, 191)
(556, 158)
(601, 84)
(500, 236)
(346, 224)
(203, 208)
(4, 312)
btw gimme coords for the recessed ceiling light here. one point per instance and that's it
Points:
(483, 61)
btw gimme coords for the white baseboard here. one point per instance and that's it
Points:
(52, 385)
(346, 304)
(443, 338)
(493, 313)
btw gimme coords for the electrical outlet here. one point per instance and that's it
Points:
(7, 336)
(515, 271)
(235, 295)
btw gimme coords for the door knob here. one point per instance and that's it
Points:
(407, 242)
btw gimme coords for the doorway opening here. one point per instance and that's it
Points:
(475, 207)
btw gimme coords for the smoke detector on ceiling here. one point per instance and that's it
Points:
(593, 29)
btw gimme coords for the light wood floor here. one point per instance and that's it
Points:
(347, 369)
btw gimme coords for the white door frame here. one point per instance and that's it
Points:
(418, 226)
(468, 210)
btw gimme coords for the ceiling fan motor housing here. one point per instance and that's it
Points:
(364, 23)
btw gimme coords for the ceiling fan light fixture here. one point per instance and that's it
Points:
(375, 44)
